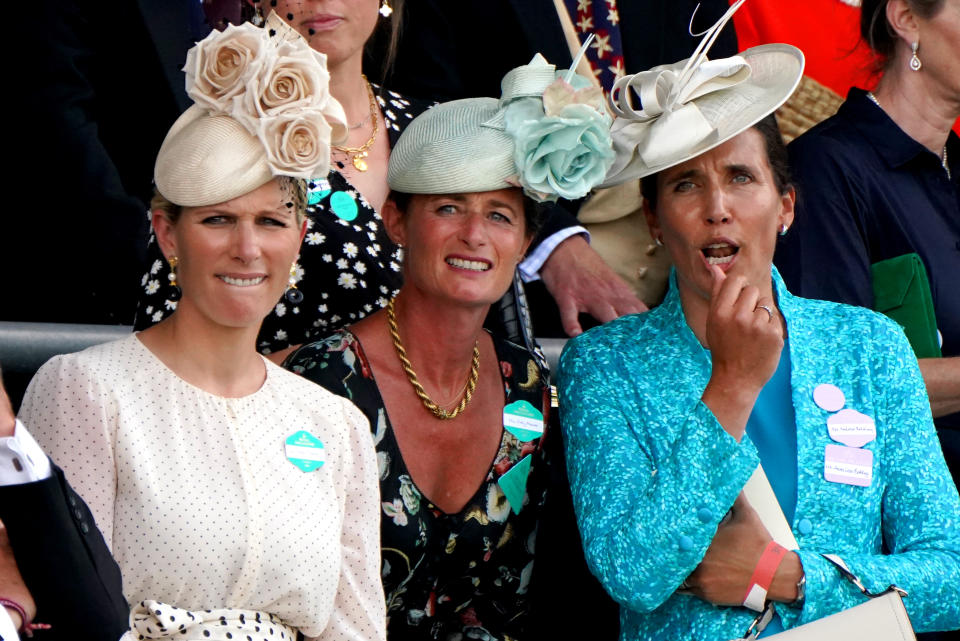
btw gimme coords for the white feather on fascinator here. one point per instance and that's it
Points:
(689, 107)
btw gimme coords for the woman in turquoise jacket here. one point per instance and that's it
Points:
(667, 414)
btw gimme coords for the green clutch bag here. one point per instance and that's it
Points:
(902, 292)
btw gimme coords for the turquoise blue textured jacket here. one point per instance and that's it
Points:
(653, 472)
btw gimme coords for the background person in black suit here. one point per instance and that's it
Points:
(62, 558)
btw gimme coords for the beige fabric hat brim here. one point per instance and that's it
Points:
(205, 160)
(776, 69)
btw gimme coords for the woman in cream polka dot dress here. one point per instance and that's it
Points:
(239, 500)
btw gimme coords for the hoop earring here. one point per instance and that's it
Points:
(293, 295)
(385, 8)
(257, 18)
(915, 63)
(175, 292)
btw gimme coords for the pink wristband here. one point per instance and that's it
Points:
(26, 625)
(763, 574)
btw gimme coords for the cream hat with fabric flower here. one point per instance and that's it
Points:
(262, 108)
(548, 133)
(690, 107)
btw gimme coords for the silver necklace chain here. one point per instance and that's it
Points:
(943, 156)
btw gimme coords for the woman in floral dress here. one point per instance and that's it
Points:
(458, 415)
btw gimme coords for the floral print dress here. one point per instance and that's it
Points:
(448, 576)
(348, 267)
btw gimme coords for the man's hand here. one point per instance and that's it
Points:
(13, 585)
(580, 281)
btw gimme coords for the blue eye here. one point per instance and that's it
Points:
(743, 178)
(683, 186)
(215, 220)
(447, 209)
(272, 222)
(501, 217)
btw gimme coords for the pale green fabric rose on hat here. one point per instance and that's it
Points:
(563, 155)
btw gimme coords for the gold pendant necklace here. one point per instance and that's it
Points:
(428, 403)
(357, 155)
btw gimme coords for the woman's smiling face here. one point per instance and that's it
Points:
(462, 247)
(721, 208)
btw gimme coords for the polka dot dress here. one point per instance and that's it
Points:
(197, 500)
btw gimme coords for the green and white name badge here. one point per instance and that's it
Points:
(304, 450)
(523, 420)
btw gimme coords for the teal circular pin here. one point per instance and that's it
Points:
(304, 450)
(344, 205)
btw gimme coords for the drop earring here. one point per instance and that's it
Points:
(257, 18)
(293, 295)
(915, 63)
(385, 8)
(783, 229)
(175, 292)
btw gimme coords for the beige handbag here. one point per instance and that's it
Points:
(881, 618)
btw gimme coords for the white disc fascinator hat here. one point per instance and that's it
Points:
(548, 133)
(690, 107)
(262, 108)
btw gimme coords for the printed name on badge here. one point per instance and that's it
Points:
(523, 420)
(848, 465)
(852, 428)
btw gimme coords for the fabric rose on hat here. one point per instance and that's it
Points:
(289, 80)
(296, 143)
(564, 150)
(218, 67)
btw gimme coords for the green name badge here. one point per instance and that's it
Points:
(304, 450)
(523, 420)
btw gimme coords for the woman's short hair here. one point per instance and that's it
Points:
(776, 158)
(296, 187)
(533, 212)
(876, 30)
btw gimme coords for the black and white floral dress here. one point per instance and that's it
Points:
(348, 267)
(462, 575)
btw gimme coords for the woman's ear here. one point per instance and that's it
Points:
(163, 227)
(903, 21)
(788, 202)
(303, 230)
(653, 223)
(393, 222)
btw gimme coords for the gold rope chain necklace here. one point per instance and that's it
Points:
(428, 403)
(357, 155)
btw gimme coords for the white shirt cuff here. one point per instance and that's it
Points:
(21, 459)
(530, 267)
(7, 631)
